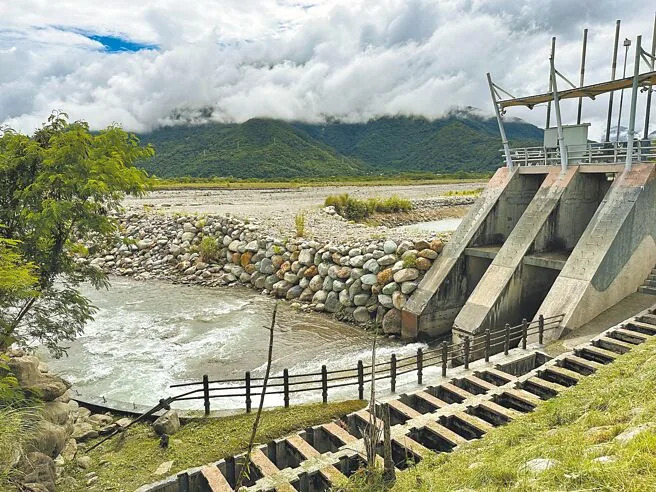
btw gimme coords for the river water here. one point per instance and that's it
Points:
(149, 335)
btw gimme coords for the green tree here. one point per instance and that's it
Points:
(58, 189)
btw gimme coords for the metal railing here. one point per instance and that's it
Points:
(472, 348)
(590, 153)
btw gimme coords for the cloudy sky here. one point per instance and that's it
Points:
(139, 63)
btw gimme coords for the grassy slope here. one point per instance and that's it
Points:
(573, 428)
(132, 459)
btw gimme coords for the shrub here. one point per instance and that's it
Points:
(299, 220)
(17, 428)
(208, 249)
(409, 261)
(354, 209)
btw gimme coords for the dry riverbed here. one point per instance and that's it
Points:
(276, 209)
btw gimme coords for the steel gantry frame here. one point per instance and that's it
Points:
(636, 82)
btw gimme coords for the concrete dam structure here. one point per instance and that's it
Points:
(541, 240)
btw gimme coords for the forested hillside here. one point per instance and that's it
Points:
(261, 148)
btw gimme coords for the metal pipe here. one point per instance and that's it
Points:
(627, 44)
(612, 77)
(559, 122)
(649, 91)
(634, 101)
(502, 131)
(581, 79)
(552, 55)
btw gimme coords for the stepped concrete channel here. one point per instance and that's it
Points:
(541, 240)
(434, 420)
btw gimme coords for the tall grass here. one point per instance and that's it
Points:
(299, 221)
(474, 192)
(208, 249)
(355, 209)
(17, 427)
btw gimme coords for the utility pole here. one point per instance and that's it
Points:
(650, 89)
(585, 44)
(634, 101)
(627, 44)
(612, 77)
(551, 57)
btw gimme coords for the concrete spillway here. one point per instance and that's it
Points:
(541, 241)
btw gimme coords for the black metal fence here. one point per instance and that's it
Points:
(471, 348)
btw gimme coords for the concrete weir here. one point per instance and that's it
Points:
(541, 240)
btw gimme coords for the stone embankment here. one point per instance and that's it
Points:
(61, 426)
(365, 281)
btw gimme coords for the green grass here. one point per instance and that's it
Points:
(573, 429)
(474, 192)
(208, 249)
(130, 460)
(299, 222)
(257, 184)
(355, 209)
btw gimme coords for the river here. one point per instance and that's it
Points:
(149, 335)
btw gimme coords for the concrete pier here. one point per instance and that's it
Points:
(541, 241)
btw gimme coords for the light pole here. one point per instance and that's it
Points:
(627, 43)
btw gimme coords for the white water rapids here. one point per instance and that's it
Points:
(149, 335)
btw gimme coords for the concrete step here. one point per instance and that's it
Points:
(580, 365)
(339, 433)
(542, 388)
(647, 290)
(444, 433)
(495, 413)
(613, 345)
(629, 336)
(474, 384)
(404, 411)
(519, 399)
(496, 376)
(216, 482)
(561, 375)
(596, 354)
(451, 393)
(431, 400)
(413, 446)
(644, 325)
(650, 282)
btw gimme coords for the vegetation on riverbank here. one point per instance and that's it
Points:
(356, 209)
(403, 179)
(130, 460)
(577, 431)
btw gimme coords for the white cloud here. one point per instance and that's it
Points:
(352, 59)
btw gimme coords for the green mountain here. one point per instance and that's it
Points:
(257, 148)
(261, 148)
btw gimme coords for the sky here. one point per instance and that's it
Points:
(151, 63)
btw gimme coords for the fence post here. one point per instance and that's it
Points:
(248, 391)
(466, 348)
(506, 341)
(206, 394)
(393, 373)
(324, 384)
(487, 345)
(445, 356)
(285, 386)
(541, 329)
(360, 380)
(524, 332)
(420, 366)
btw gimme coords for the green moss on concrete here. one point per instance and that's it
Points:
(130, 460)
(572, 429)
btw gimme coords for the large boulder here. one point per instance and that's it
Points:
(39, 472)
(169, 423)
(49, 438)
(392, 322)
(57, 412)
(26, 369)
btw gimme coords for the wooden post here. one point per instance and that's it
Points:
(247, 379)
(393, 373)
(420, 366)
(324, 384)
(388, 472)
(285, 385)
(541, 329)
(445, 357)
(360, 380)
(206, 394)
(466, 350)
(506, 341)
(524, 332)
(487, 345)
